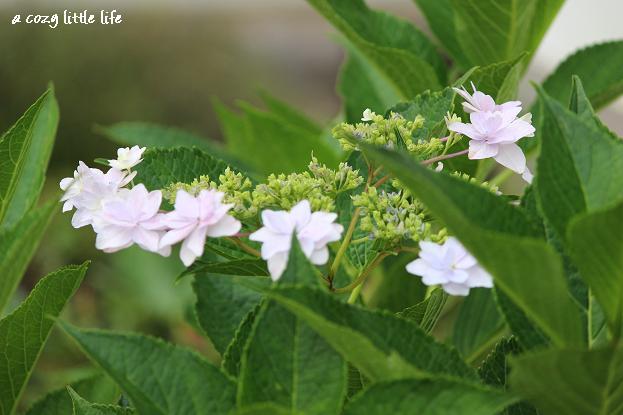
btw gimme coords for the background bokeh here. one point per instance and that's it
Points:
(164, 64)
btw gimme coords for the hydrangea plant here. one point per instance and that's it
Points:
(374, 266)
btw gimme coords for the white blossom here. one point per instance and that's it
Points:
(196, 218)
(313, 232)
(451, 266)
(131, 217)
(127, 158)
(368, 115)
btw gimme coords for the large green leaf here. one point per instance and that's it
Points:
(97, 388)
(24, 153)
(288, 363)
(427, 312)
(83, 407)
(500, 79)
(502, 238)
(381, 345)
(18, 244)
(571, 382)
(406, 58)
(578, 167)
(599, 66)
(232, 358)
(23, 333)
(524, 330)
(163, 166)
(427, 397)
(478, 324)
(221, 306)
(158, 377)
(491, 31)
(244, 267)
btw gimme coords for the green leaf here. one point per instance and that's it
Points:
(524, 330)
(578, 167)
(362, 86)
(500, 79)
(25, 331)
(299, 270)
(232, 358)
(161, 167)
(396, 289)
(159, 378)
(98, 388)
(478, 324)
(406, 58)
(599, 66)
(495, 371)
(24, 153)
(242, 267)
(84, 407)
(491, 31)
(289, 114)
(289, 364)
(571, 382)
(501, 237)
(221, 306)
(18, 244)
(381, 345)
(598, 253)
(427, 397)
(427, 312)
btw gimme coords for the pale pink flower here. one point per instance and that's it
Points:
(127, 158)
(131, 217)
(481, 102)
(88, 189)
(313, 232)
(196, 218)
(451, 266)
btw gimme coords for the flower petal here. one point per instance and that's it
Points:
(481, 150)
(510, 155)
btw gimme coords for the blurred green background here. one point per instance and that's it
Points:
(164, 64)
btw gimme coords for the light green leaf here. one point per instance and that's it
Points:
(495, 371)
(427, 397)
(571, 382)
(24, 153)
(288, 364)
(491, 31)
(232, 357)
(599, 66)
(299, 270)
(159, 378)
(161, 167)
(84, 407)
(426, 313)
(478, 325)
(289, 114)
(502, 238)
(23, 333)
(221, 306)
(17, 246)
(406, 58)
(98, 388)
(500, 79)
(381, 345)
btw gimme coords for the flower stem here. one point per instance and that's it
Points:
(501, 178)
(245, 247)
(444, 157)
(364, 274)
(342, 249)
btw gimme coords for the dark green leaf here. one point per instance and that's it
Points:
(23, 333)
(524, 330)
(500, 79)
(426, 313)
(84, 407)
(159, 378)
(299, 270)
(232, 357)
(396, 289)
(427, 397)
(242, 267)
(433, 106)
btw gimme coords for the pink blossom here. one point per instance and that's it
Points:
(127, 158)
(196, 218)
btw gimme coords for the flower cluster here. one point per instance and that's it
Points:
(393, 216)
(450, 265)
(313, 232)
(494, 129)
(122, 217)
(382, 131)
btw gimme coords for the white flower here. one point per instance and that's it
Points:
(439, 167)
(196, 218)
(494, 130)
(88, 189)
(313, 231)
(131, 217)
(127, 158)
(451, 266)
(368, 115)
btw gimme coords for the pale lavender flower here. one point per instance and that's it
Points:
(481, 102)
(313, 232)
(127, 158)
(196, 218)
(451, 266)
(131, 217)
